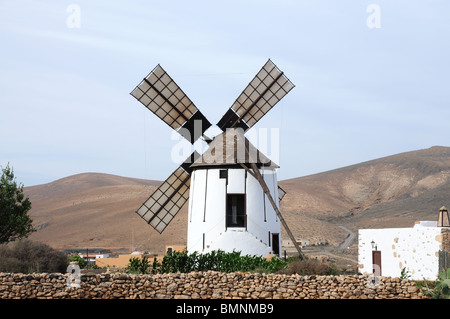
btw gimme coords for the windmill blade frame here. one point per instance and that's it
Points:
(263, 92)
(160, 94)
(168, 199)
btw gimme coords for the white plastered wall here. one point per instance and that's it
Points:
(207, 212)
(414, 249)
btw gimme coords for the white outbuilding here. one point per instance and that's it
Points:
(228, 209)
(420, 252)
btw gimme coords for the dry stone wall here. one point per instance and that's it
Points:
(206, 285)
(446, 239)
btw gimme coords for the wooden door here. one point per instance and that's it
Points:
(376, 262)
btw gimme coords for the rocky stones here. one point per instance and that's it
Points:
(206, 285)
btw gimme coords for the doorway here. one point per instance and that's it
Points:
(236, 215)
(376, 262)
(276, 244)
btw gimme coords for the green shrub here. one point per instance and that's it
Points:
(138, 265)
(215, 260)
(26, 256)
(80, 260)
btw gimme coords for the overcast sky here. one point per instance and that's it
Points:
(372, 79)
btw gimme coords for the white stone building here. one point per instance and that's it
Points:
(420, 251)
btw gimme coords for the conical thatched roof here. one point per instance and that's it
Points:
(232, 148)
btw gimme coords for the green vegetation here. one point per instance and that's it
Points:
(441, 289)
(14, 206)
(405, 274)
(80, 260)
(26, 256)
(215, 260)
(185, 262)
(138, 265)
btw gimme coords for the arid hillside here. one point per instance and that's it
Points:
(393, 191)
(95, 210)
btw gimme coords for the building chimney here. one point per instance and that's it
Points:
(443, 220)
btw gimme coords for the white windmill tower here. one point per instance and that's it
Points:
(232, 187)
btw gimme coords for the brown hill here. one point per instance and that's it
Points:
(94, 210)
(393, 191)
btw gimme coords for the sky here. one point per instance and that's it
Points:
(371, 80)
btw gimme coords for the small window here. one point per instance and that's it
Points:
(223, 173)
(169, 251)
(236, 215)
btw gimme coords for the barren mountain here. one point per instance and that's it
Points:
(95, 210)
(393, 191)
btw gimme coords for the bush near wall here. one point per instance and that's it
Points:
(206, 285)
(182, 261)
(26, 256)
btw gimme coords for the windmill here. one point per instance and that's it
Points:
(234, 200)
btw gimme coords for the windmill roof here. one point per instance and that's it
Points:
(232, 148)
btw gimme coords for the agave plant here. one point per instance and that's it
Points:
(443, 284)
(442, 287)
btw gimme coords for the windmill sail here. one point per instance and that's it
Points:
(160, 94)
(168, 199)
(162, 206)
(266, 89)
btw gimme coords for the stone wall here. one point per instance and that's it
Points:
(206, 285)
(445, 239)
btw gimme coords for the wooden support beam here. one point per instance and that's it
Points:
(256, 174)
